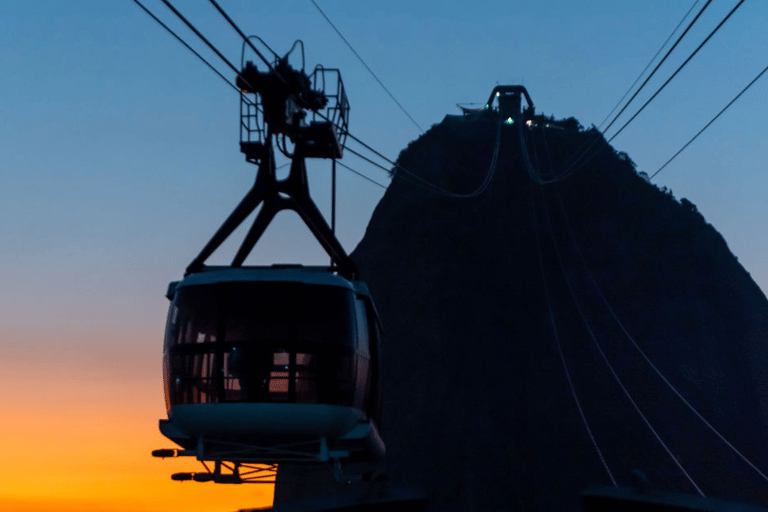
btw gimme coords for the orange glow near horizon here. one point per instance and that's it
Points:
(77, 435)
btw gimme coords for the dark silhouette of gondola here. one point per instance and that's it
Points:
(269, 364)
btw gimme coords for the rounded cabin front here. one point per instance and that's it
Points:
(266, 356)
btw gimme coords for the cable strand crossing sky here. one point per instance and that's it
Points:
(678, 69)
(179, 39)
(604, 357)
(651, 62)
(567, 372)
(207, 63)
(711, 121)
(360, 174)
(245, 38)
(637, 346)
(367, 67)
(659, 65)
(201, 36)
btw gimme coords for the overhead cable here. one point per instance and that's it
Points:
(581, 158)
(360, 174)
(669, 52)
(233, 86)
(608, 363)
(359, 155)
(246, 39)
(560, 349)
(711, 121)
(678, 69)
(418, 180)
(201, 36)
(649, 64)
(621, 324)
(178, 38)
(422, 182)
(457, 195)
(415, 178)
(642, 352)
(367, 67)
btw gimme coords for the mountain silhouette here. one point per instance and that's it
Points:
(552, 321)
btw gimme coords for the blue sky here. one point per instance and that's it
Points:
(116, 137)
(120, 150)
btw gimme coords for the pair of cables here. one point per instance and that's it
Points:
(674, 74)
(587, 151)
(408, 175)
(600, 350)
(226, 61)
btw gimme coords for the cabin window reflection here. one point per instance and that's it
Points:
(363, 344)
(232, 390)
(278, 382)
(265, 342)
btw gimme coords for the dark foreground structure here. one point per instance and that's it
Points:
(553, 321)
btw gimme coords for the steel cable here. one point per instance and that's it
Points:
(608, 363)
(677, 70)
(560, 349)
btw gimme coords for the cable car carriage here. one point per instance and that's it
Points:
(278, 360)
(268, 364)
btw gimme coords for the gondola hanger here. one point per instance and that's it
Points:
(264, 365)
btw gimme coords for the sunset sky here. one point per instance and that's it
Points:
(119, 158)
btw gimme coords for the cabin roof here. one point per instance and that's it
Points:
(288, 274)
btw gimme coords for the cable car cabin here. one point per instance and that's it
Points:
(272, 364)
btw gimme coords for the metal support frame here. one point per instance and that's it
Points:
(275, 195)
(225, 472)
(282, 98)
(241, 463)
(333, 197)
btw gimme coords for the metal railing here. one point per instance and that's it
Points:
(328, 81)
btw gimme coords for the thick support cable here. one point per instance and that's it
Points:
(560, 349)
(186, 45)
(711, 121)
(367, 67)
(201, 36)
(659, 64)
(632, 339)
(361, 175)
(419, 181)
(645, 356)
(648, 65)
(581, 153)
(535, 172)
(246, 39)
(677, 70)
(608, 363)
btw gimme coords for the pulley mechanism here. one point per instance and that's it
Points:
(283, 105)
(266, 365)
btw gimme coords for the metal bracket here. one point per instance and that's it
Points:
(275, 195)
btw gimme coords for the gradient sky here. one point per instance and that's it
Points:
(119, 158)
